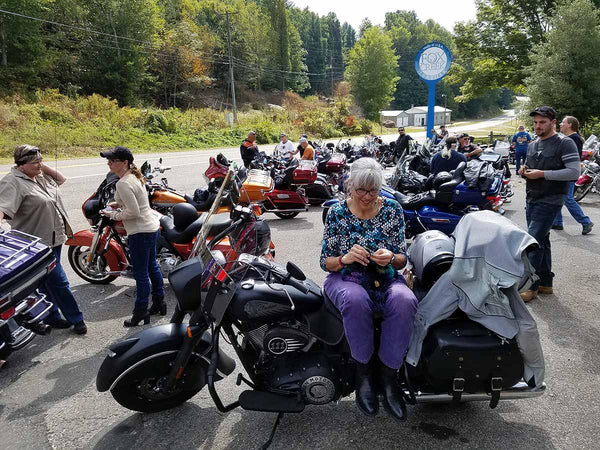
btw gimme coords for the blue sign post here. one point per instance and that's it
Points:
(432, 63)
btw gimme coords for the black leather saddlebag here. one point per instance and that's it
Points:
(460, 355)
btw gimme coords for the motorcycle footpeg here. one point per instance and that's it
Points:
(268, 402)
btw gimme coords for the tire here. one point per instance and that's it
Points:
(581, 191)
(77, 256)
(286, 215)
(135, 391)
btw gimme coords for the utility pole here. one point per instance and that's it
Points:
(231, 69)
(331, 65)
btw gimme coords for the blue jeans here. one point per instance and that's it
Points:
(520, 157)
(540, 217)
(57, 290)
(573, 208)
(142, 251)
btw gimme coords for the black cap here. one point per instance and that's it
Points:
(121, 153)
(545, 111)
(463, 135)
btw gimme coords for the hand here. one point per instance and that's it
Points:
(522, 170)
(533, 174)
(382, 257)
(356, 254)
(113, 205)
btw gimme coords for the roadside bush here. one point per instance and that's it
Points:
(156, 122)
(591, 126)
(53, 114)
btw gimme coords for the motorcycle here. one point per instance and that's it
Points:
(290, 340)
(101, 254)
(441, 207)
(589, 180)
(274, 189)
(24, 265)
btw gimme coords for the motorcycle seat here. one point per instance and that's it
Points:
(417, 201)
(217, 223)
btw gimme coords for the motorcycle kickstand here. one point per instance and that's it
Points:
(267, 444)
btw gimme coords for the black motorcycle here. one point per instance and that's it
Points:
(290, 340)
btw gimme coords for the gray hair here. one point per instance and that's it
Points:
(365, 173)
(521, 127)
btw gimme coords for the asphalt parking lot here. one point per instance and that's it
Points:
(48, 397)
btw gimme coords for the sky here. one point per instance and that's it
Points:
(444, 12)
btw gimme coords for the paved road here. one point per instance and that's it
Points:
(48, 397)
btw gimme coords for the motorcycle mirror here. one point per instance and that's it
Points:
(159, 160)
(295, 271)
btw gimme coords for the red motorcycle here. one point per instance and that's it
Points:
(100, 255)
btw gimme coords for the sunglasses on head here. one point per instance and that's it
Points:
(22, 159)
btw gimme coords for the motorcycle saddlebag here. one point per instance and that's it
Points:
(462, 355)
(336, 163)
(306, 172)
(255, 185)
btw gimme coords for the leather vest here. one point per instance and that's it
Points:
(547, 158)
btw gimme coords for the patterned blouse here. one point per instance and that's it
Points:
(343, 229)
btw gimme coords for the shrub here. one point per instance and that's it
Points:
(156, 122)
(591, 126)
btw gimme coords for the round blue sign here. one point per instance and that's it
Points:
(433, 61)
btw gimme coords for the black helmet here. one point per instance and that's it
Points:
(441, 178)
(183, 215)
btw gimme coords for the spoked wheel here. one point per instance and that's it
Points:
(95, 272)
(143, 389)
(286, 215)
(581, 191)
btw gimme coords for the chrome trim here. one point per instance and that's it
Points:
(519, 391)
(42, 314)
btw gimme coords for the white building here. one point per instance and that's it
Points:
(417, 116)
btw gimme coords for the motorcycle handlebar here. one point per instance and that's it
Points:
(297, 284)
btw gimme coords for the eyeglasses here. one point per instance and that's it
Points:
(362, 192)
(114, 160)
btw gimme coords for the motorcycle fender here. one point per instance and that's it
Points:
(115, 256)
(582, 180)
(154, 343)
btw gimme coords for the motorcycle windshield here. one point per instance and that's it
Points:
(225, 258)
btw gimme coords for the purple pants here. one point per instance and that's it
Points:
(357, 313)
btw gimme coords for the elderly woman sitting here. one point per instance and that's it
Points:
(363, 245)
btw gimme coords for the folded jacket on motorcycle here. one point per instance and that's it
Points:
(488, 267)
(479, 174)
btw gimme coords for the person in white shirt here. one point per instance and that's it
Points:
(285, 149)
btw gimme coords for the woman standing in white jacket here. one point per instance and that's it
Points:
(142, 230)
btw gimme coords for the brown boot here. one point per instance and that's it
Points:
(545, 290)
(529, 295)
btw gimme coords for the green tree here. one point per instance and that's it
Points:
(564, 70)
(372, 71)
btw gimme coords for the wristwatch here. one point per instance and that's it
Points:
(392, 259)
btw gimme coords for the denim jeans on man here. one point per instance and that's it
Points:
(142, 251)
(540, 217)
(520, 157)
(57, 290)
(573, 208)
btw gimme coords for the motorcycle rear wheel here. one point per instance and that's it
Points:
(77, 256)
(144, 395)
(286, 215)
(581, 191)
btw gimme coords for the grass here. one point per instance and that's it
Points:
(83, 126)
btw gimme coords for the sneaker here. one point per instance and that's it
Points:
(545, 290)
(587, 228)
(80, 328)
(558, 227)
(59, 324)
(529, 295)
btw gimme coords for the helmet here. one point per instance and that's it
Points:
(183, 215)
(441, 178)
(431, 255)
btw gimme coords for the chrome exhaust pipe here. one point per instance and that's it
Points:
(518, 391)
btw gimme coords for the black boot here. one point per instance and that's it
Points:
(159, 306)
(393, 402)
(366, 395)
(138, 316)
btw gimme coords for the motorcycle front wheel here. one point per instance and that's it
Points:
(95, 273)
(581, 191)
(143, 391)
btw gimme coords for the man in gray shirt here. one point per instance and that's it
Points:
(552, 162)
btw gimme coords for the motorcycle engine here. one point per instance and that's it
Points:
(281, 340)
(311, 374)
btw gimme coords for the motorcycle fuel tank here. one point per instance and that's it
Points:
(255, 300)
